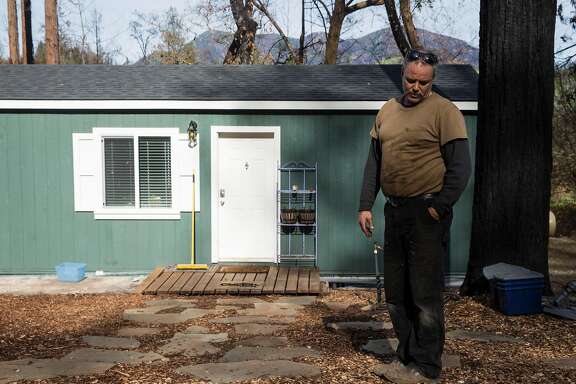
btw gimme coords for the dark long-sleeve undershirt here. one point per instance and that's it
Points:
(456, 156)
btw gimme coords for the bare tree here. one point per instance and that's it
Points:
(96, 27)
(83, 40)
(173, 47)
(262, 8)
(51, 25)
(336, 12)
(144, 33)
(13, 33)
(27, 43)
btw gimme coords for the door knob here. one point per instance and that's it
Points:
(222, 193)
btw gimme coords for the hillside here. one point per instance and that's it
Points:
(376, 47)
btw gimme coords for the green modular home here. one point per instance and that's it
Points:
(104, 165)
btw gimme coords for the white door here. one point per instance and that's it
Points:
(246, 196)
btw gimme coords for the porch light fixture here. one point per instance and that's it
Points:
(192, 134)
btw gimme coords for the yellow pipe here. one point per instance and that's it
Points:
(192, 258)
(193, 264)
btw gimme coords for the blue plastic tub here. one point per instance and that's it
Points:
(517, 296)
(71, 272)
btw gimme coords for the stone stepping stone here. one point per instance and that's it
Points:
(361, 325)
(298, 300)
(336, 307)
(151, 310)
(171, 302)
(137, 332)
(195, 329)
(111, 342)
(167, 318)
(448, 361)
(38, 369)
(461, 334)
(111, 356)
(258, 329)
(387, 347)
(193, 344)
(451, 361)
(227, 308)
(272, 309)
(240, 301)
(565, 363)
(381, 346)
(254, 320)
(267, 353)
(265, 341)
(222, 373)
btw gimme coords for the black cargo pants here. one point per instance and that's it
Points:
(414, 252)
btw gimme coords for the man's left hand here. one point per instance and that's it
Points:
(433, 213)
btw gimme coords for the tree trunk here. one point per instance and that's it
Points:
(27, 43)
(13, 33)
(406, 13)
(514, 138)
(396, 27)
(51, 27)
(333, 40)
(243, 46)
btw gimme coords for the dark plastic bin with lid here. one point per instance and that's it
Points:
(515, 290)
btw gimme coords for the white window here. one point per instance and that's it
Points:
(135, 173)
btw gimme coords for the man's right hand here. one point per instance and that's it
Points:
(365, 222)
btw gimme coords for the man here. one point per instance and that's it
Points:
(419, 157)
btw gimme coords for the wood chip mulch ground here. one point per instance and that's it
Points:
(52, 326)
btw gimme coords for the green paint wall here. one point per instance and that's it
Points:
(39, 228)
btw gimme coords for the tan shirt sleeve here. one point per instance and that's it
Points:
(451, 124)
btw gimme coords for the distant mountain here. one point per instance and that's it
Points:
(376, 47)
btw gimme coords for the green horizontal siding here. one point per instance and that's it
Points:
(39, 228)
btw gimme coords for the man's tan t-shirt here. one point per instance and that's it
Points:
(411, 138)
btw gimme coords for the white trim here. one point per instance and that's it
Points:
(214, 131)
(136, 213)
(208, 105)
(125, 215)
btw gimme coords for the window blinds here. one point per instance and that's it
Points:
(119, 171)
(154, 171)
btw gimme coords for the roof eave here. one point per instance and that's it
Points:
(202, 105)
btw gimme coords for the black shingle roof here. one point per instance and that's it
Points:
(223, 82)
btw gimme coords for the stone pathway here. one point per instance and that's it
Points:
(265, 341)
(387, 347)
(254, 320)
(258, 329)
(260, 347)
(220, 373)
(461, 334)
(153, 315)
(191, 345)
(272, 309)
(137, 332)
(267, 353)
(566, 363)
(111, 342)
(361, 325)
(259, 355)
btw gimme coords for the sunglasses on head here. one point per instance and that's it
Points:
(427, 57)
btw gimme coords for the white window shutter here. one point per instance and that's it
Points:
(84, 149)
(188, 165)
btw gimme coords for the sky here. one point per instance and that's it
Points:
(457, 18)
